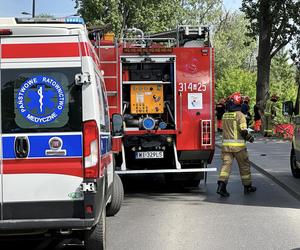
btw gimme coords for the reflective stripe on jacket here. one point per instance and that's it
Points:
(233, 124)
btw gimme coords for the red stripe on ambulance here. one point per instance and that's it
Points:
(65, 166)
(41, 50)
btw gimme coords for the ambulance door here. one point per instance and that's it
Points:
(41, 128)
(105, 135)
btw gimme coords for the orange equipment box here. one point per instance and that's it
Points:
(146, 99)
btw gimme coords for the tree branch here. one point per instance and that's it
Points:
(223, 21)
(209, 7)
(281, 46)
(277, 33)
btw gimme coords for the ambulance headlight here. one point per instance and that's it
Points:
(148, 123)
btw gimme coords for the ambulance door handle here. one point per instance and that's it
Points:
(21, 147)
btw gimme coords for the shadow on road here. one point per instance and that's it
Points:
(34, 243)
(153, 187)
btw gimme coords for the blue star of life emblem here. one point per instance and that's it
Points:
(41, 99)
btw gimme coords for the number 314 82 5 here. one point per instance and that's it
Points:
(199, 87)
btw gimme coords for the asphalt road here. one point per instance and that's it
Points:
(273, 156)
(154, 216)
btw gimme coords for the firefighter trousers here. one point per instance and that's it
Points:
(268, 125)
(243, 162)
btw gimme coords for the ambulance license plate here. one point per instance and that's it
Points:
(149, 155)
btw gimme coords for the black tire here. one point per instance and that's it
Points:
(294, 168)
(116, 198)
(95, 238)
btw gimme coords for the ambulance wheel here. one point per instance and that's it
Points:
(116, 198)
(95, 238)
(294, 167)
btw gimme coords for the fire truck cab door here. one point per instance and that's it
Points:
(41, 128)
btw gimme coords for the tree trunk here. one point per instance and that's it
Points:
(264, 55)
(263, 79)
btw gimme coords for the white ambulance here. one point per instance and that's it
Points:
(56, 166)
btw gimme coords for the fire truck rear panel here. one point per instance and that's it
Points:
(166, 96)
(194, 84)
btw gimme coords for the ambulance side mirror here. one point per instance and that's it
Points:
(288, 108)
(117, 125)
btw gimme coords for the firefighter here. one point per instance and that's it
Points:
(220, 109)
(246, 110)
(270, 115)
(235, 135)
(257, 119)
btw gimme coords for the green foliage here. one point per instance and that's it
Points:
(282, 78)
(236, 80)
(235, 53)
(275, 23)
(281, 15)
(282, 82)
(233, 49)
(150, 16)
(157, 16)
(200, 11)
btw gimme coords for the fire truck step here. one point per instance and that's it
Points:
(159, 171)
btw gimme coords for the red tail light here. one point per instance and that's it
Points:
(91, 149)
(5, 32)
(206, 133)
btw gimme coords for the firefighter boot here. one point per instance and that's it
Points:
(222, 189)
(249, 189)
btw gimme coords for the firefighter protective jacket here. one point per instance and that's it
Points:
(233, 124)
(271, 108)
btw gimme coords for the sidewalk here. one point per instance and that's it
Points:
(273, 156)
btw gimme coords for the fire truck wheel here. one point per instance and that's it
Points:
(116, 198)
(294, 167)
(95, 238)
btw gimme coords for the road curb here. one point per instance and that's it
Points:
(276, 180)
(289, 190)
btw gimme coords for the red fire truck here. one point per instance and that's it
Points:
(163, 85)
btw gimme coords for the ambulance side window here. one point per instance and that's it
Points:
(40, 100)
(104, 117)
